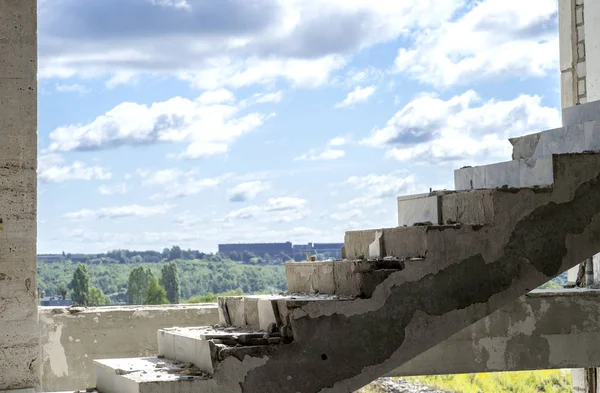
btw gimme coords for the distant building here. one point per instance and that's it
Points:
(50, 258)
(258, 249)
(55, 301)
(333, 250)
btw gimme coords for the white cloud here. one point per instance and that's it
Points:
(282, 209)
(492, 38)
(51, 169)
(220, 44)
(338, 141)
(327, 154)
(376, 188)
(119, 212)
(72, 88)
(358, 95)
(120, 188)
(347, 215)
(164, 177)
(219, 96)
(208, 129)
(175, 183)
(273, 97)
(462, 129)
(247, 191)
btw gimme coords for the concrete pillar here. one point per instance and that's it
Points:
(20, 352)
(579, 28)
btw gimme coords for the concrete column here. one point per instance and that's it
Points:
(579, 28)
(20, 353)
(585, 380)
(589, 272)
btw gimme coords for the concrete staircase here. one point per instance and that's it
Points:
(455, 257)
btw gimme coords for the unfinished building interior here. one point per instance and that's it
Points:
(453, 281)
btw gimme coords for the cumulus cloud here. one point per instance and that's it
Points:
(219, 96)
(359, 94)
(120, 188)
(282, 209)
(119, 212)
(464, 127)
(492, 38)
(175, 183)
(316, 155)
(52, 169)
(216, 44)
(208, 129)
(72, 88)
(247, 191)
(375, 188)
(332, 151)
(347, 215)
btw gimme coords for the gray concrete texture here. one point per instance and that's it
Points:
(575, 138)
(469, 271)
(561, 321)
(581, 113)
(19, 340)
(71, 341)
(541, 330)
(516, 173)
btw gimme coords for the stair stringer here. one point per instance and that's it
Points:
(342, 345)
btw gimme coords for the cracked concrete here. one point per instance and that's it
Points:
(19, 340)
(467, 273)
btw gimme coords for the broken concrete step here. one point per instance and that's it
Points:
(575, 138)
(345, 278)
(472, 207)
(268, 312)
(149, 375)
(420, 208)
(581, 113)
(514, 174)
(206, 346)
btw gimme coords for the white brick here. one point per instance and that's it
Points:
(581, 33)
(566, 87)
(581, 86)
(579, 15)
(581, 50)
(581, 69)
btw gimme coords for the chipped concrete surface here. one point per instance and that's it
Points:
(567, 320)
(468, 272)
(19, 342)
(71, 341)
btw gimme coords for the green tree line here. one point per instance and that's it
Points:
(180, 279)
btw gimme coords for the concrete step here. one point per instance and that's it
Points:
(581, 113)
(149, 375)
(528, 173)
(206, 346)
(575, 138)
(351, 278)
(269, 312)
(520, 173)
(580, 132)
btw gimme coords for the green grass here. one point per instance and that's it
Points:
(212, 297)
(547, 381)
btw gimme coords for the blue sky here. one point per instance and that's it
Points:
(197, 122)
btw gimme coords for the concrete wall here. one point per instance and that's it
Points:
(19, 341)
(71, 341)
(542, 330)
(579, 25)
(592, 42)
